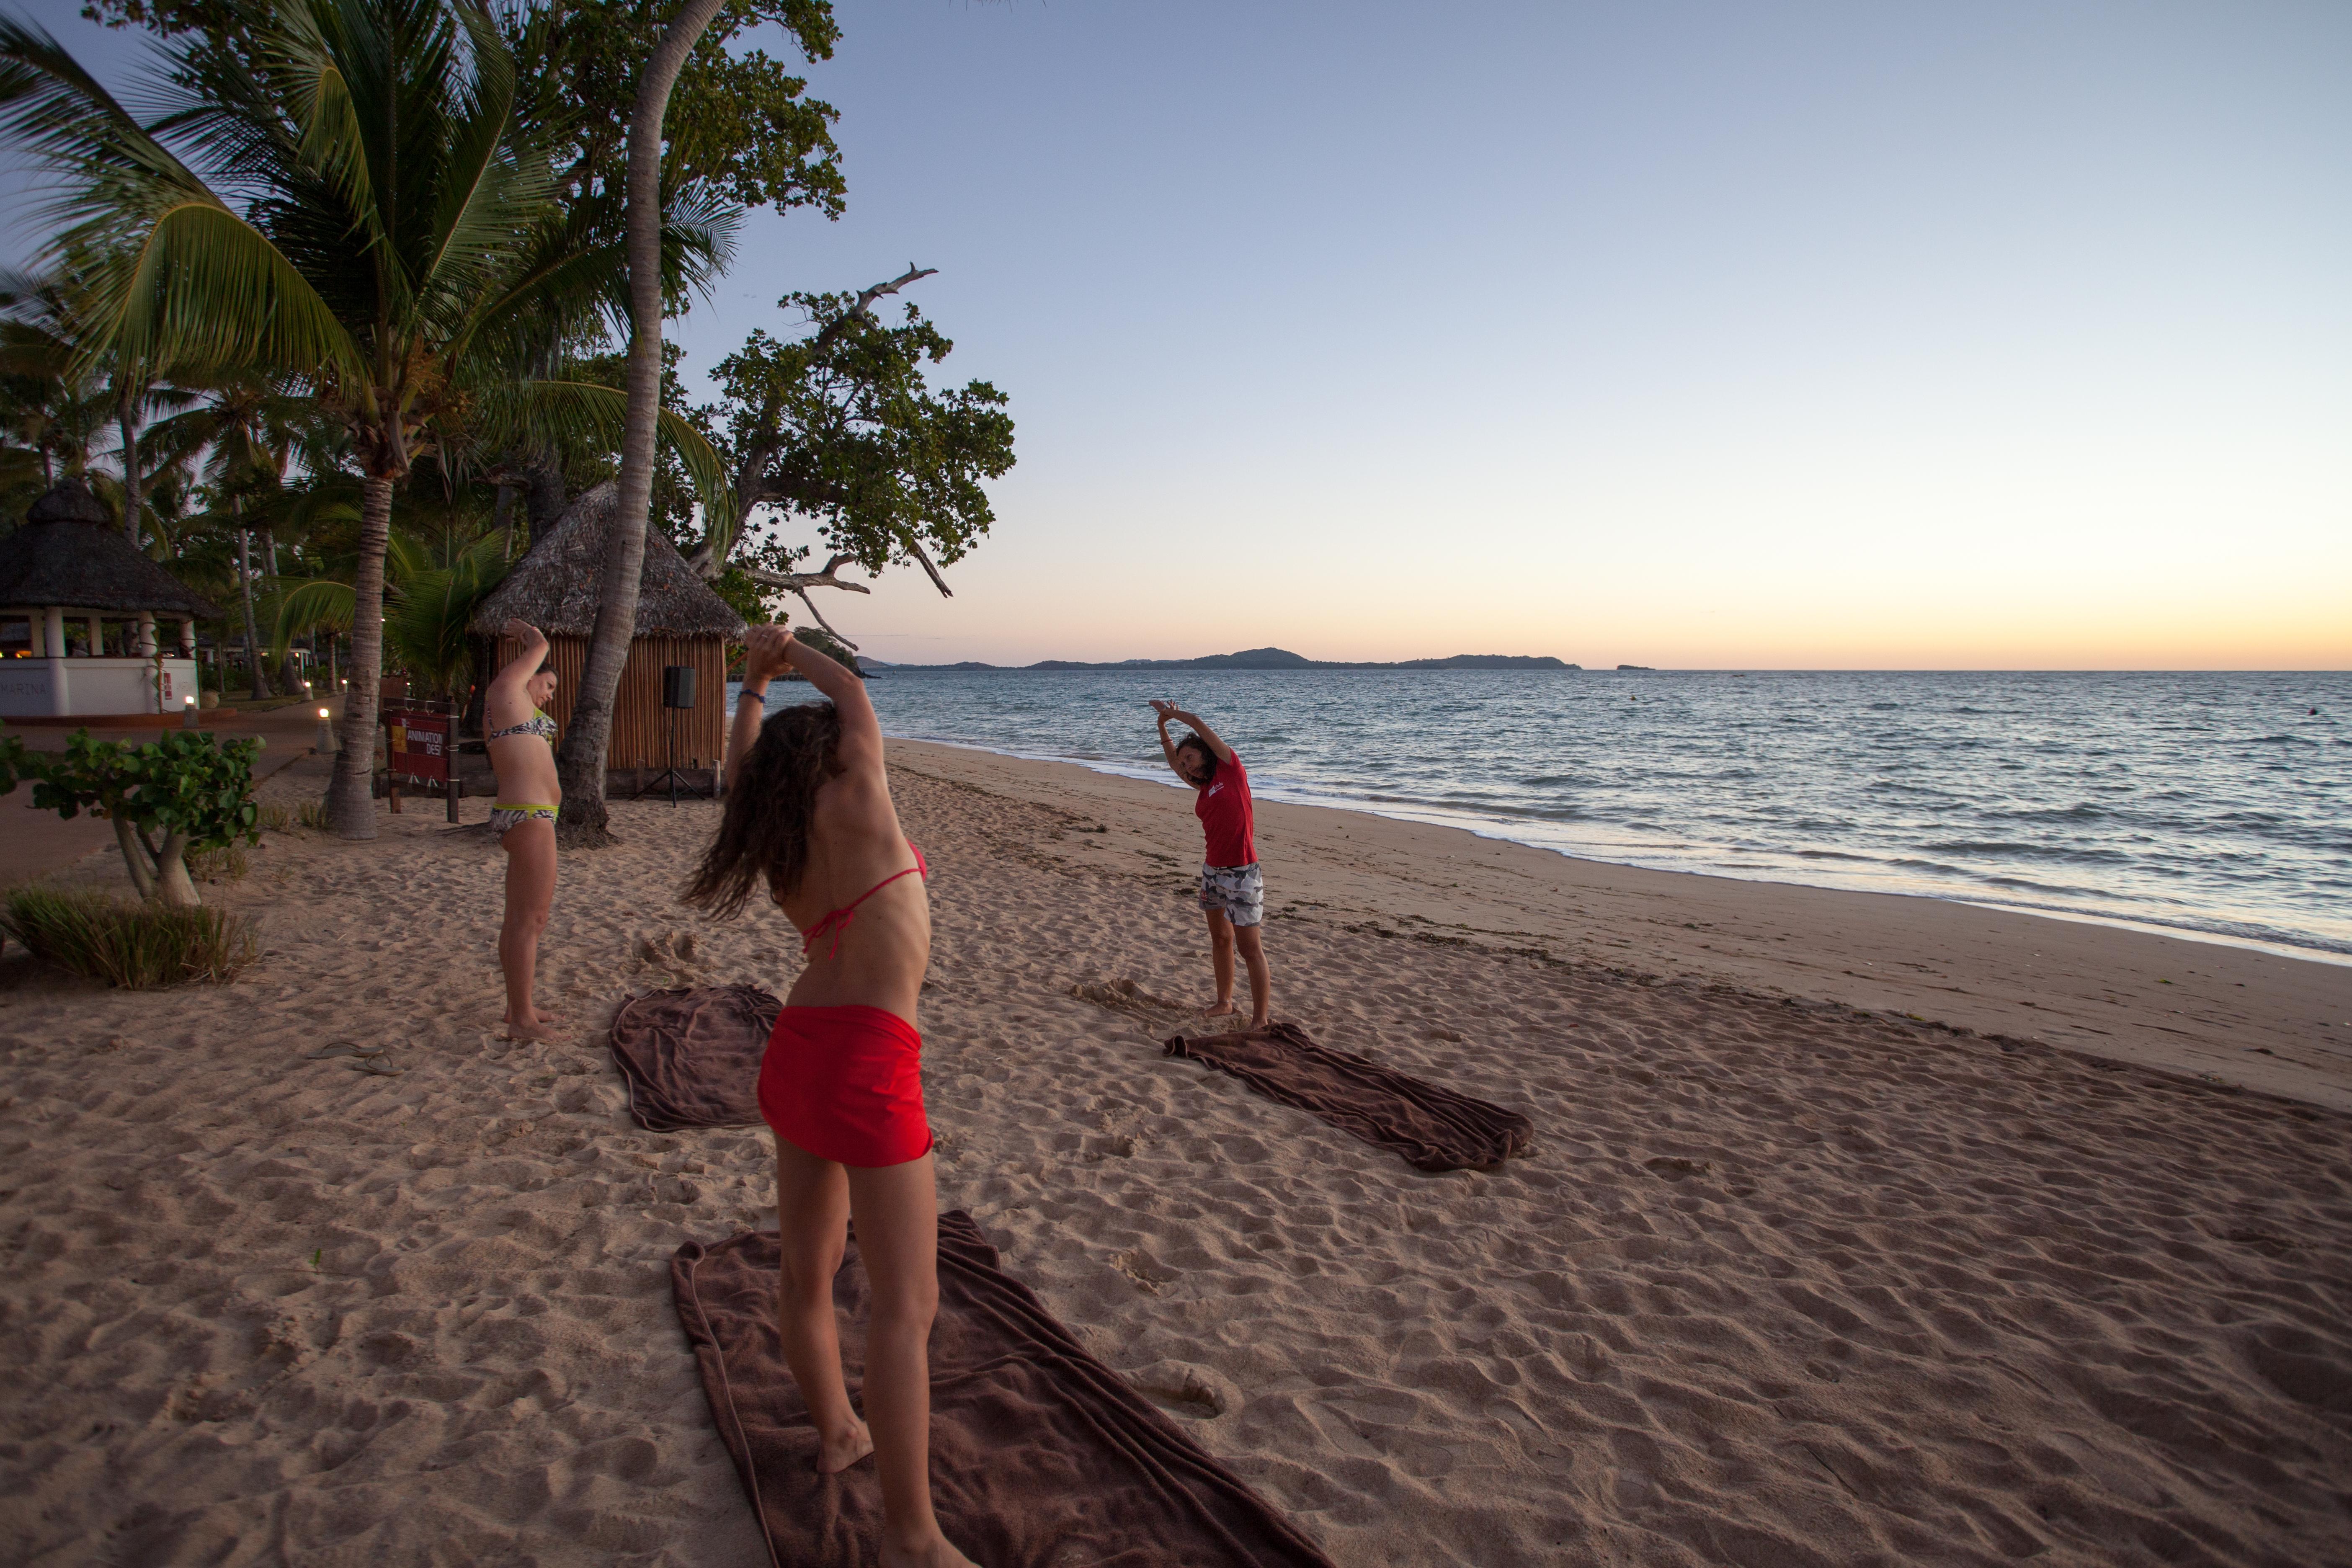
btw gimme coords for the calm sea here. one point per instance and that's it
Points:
(2213, 805)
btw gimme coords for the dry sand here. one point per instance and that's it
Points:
(1783, 1281)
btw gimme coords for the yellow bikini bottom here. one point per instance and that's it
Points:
(508, 815)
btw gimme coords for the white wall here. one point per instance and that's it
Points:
(33, 687)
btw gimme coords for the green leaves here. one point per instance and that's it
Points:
(426, 629)
(841, 427)
(185, 784)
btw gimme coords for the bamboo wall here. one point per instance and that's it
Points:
(640, 723)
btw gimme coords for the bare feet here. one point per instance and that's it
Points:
(938, 1555)
(1220, 1010)
(537, 1027)
(844, 1449)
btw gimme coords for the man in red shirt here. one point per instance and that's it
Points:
(1233, 891)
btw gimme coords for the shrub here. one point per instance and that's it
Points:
(311, 814)
(137, 946)
(180, 792)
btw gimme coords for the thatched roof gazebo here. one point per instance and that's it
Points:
(67, 565)
(680, 621)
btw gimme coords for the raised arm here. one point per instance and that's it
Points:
(861, 732)
(515, 672)
(764, 660)
(1168, 711)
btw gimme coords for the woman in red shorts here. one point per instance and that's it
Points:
(809, 822)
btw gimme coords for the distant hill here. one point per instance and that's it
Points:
(1265, 659)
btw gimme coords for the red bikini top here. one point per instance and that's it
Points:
(837, 921)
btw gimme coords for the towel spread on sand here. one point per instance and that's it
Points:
(1041, 1455)
(692, 1058)
(1435, 1129)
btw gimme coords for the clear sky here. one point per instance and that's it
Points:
(1680, 334)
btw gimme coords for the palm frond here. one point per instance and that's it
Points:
(553, 411)
(298, 608)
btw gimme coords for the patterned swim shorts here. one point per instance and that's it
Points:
(506, 816)
(1237, 892)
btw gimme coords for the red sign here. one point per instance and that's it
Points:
(421, 744)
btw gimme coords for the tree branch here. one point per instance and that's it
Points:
(863, 304)
(825, 624)
(800, 581)
(915, 548)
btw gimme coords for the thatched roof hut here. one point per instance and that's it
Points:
(68, 554)
(556, 587)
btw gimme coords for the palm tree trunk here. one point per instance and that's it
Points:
(581, 764)
(252, 636)
(350, 800)
(133, 487)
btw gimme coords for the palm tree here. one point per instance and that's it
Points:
(240, 434)
(432, 588)
(580, 761)
(359, 206)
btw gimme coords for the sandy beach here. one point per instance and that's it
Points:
(1857, 1229)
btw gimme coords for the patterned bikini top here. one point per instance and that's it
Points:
(538, 724)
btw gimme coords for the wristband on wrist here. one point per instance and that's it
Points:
(759, 697)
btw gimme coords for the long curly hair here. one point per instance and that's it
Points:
(770, 808)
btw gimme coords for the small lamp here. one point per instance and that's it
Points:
(326, 744)
(187, 712)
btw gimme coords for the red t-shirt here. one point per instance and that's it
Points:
(1223, 808)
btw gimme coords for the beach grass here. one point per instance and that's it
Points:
(137, 946)
(229, 863)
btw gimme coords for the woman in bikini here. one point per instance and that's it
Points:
(521, 744)
(809, 823)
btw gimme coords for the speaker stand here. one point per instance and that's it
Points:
(669, 770)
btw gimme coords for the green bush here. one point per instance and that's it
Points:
(182, 791)
(273, 819)
(138, 946)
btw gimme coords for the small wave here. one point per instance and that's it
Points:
(2061, 852)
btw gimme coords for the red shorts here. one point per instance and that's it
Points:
(846, 1084)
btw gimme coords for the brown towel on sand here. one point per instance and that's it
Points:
(1040, 1455)
(692, 1058)
(1435, 1129)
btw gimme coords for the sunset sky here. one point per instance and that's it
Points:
(1718, 335)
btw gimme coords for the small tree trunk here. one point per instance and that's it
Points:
(350, 803)
(581, 764)
(173, 886)
(252, 638)
(135, 858)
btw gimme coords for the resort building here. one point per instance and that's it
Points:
(83, 615)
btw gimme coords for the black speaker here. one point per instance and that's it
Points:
(678, 686)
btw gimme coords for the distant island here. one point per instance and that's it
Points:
(1261, 659)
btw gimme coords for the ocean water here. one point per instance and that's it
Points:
(2210, 804)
